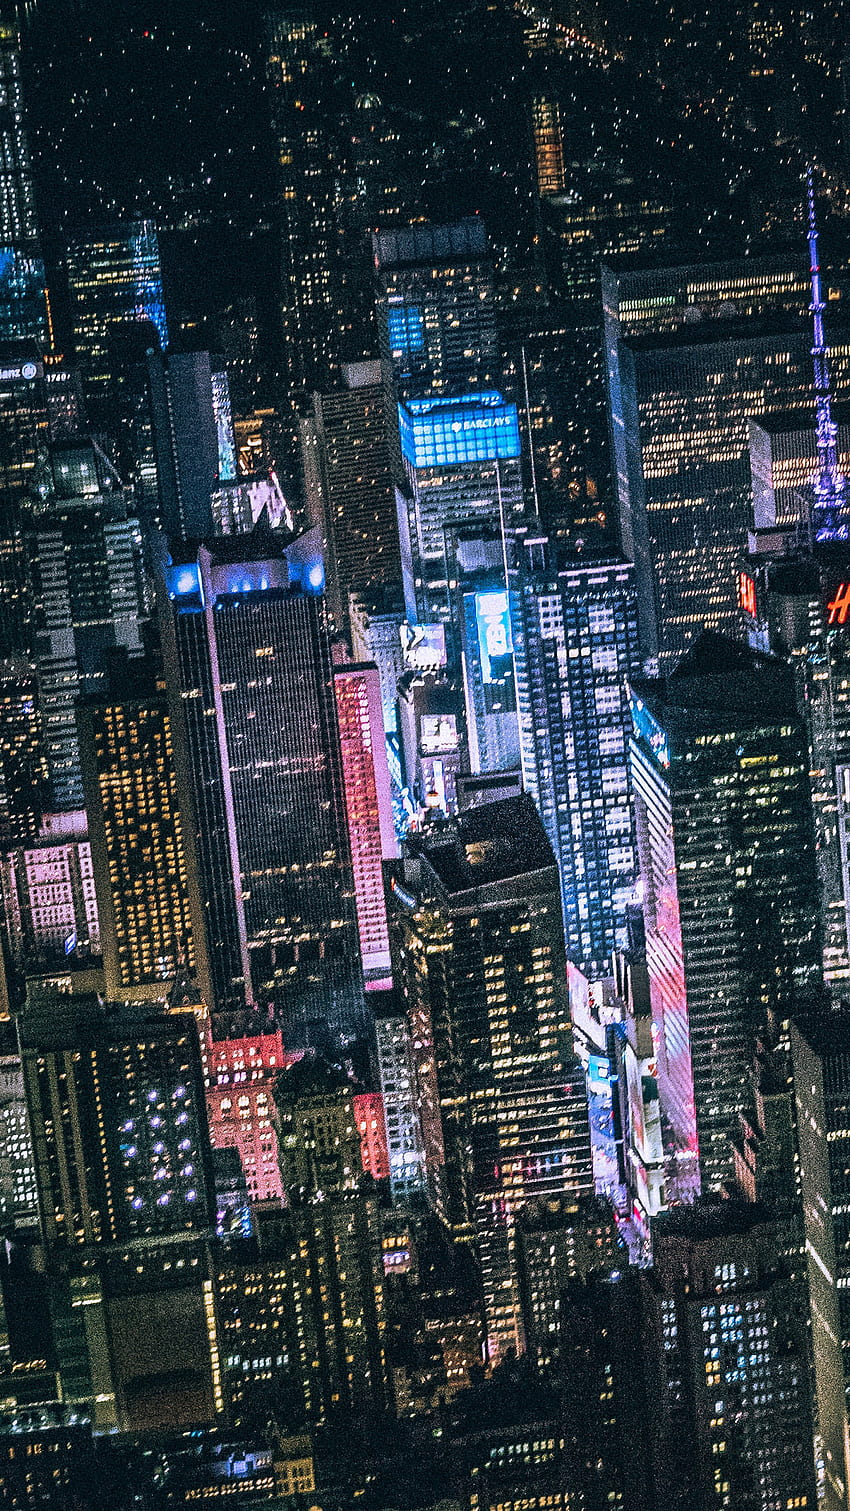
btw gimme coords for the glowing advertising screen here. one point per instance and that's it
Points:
(480, 427)
(494, 636)
(747, 594)
(648, 729)
(424, 646)
(438, 734)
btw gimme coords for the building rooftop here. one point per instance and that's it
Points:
(492, 843)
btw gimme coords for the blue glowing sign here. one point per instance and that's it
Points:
(494, 636)
(406, 329)
(184, 581)
(648, 729)
(479, 427)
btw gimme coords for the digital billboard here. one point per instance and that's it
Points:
(438, 734)
(442, 432)
(424, 645)
(648, 729)
(494, 636)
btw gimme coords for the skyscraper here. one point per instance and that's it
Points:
(478, 953)
(726, 843)
(436, 308)
(683, 477)
(119, 1126)
(405, 1145)
(820, 1063)
(23, 435)
(89, 593)
(736, 1362)
(461, 458)
(23, 302)
(193, 438)
(548, 638)
(146, 882)
(347, 464)
(252, 674)
(23, 771)
(124, 1175)
(694, 352)
(114, 279)
(368, 802)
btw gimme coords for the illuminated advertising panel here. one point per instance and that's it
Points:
(747, 594)
(479, 427)
(838, 607)
(494, 636)
(424, 646)
(647, 729)
(438, 734)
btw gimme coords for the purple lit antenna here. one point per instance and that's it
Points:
(830, 504)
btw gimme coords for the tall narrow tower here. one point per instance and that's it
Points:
(829, 504)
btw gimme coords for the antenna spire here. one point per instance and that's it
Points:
(829, 509)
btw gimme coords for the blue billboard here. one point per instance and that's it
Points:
(480, 427)
(648, 729)
(494, 636)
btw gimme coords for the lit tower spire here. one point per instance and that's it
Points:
(830, 504)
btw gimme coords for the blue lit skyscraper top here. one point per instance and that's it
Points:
(478, 427)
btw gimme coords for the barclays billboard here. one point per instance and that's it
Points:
(480, 427)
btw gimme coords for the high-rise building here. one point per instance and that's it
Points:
(145, 877)
(118, 1122)
(193, 438)
(548, 145)
(405, 1145)
(347, 466)
(478, 954)
(783, 458)
(548, 639)
(794, 603)
(18, 1190)
(23, 771)
(49, 899)
(114, 280)
(241, 1072)
(253, 690)
(369, 1116)
(436, 308)
(318, 1136)
(375, 621)
(820, 1061)
(23, 302)
(694, 352)
(679, 415)
(368, 803)
(558, 1242)
(90, 595)
(23, 436)
(735, 1350)
(301, 1312)
(300, 73)
(461, 458)
(726, 844)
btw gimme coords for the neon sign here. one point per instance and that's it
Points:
(839, 608)
(747, 594)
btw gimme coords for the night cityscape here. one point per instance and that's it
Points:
(424, 755)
